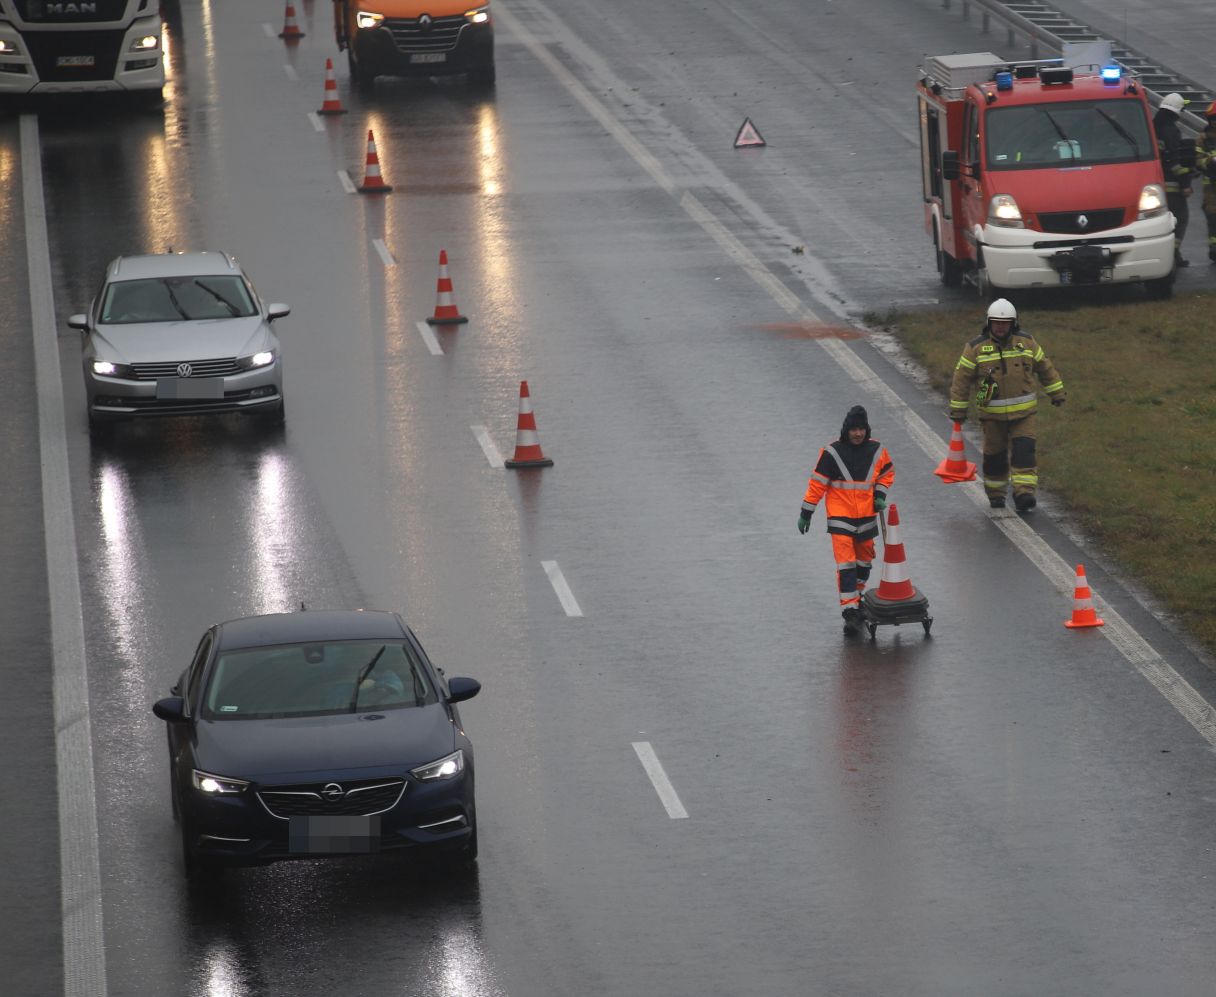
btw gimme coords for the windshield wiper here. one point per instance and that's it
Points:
(364, 673)
(176, 304)
(1056, 125)
(1121, 130)
(219, 297)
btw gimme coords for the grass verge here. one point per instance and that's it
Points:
(1133, 452)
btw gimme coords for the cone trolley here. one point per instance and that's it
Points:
(896, 600)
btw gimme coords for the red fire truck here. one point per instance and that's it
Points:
(1041, 175)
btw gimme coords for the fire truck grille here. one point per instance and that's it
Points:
(1081, 222)
(439, 35)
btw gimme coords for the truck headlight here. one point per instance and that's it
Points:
(367, 20)
(148, 43)
(1152, 201)
(1003, 211)
(478, 15)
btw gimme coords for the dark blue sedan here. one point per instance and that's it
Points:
(316, 734)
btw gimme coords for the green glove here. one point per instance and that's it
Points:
(804, 521)
(880, 502)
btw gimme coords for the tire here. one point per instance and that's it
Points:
(1160, 289)
(274, 418)
(982, 284)
(100, 430)
(948, 268)
(364, 82)
(199, 871)
(483, 77)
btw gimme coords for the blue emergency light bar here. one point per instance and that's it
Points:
(1004, 81)
(1111, 74)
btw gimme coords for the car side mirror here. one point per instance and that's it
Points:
(172, 709)
(80, 322)
(950, 168)
(277, 310)
(460, 689)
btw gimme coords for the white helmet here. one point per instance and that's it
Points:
(1173, 102)
(1002, 309)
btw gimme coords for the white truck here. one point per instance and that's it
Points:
(81, 46)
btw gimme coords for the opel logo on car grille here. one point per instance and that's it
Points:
(425, 22)
(1082, 221)
(184, 370)
(333, 792)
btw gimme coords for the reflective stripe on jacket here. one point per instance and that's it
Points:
(850, 500)
(1001, 377)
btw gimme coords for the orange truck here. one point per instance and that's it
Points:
(1042, 174)
(415, 38)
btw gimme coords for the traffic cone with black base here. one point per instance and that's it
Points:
(1083, 614)
(291, 31)
(896, 600)
(446, 312)
(373, 182)
(956, 467)
(527, 443)
(331, 104)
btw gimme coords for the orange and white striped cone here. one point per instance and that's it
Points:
(1083, 614)
(527, 443)
(291, 31)
(373, 183)
(446, 312)
(331, 104)
(895, 585)
(956, 467)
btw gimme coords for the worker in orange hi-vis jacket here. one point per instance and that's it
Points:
(855, 474)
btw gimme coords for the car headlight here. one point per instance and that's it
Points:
(107, 368)
(1003, 210)
(1152, 201)
(364, 19)
(479, 15)
(443, 768)
(218, 785)
(263, 358)
(148, 43)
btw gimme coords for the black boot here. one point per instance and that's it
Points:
(1024, 502)
(852, 621)
(996, 501)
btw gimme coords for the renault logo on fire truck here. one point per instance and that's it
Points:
(425, 22)
(1082, 222)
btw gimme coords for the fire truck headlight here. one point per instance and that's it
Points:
(1152, 202)
(1003, 210)
(367, 20)
(147, 43)
(7, 47)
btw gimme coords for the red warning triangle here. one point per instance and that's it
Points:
(748, 135)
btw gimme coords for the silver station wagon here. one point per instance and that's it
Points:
(179, 334)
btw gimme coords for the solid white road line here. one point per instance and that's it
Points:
(564, 595)
(270, 32)
(292, 75)
(84, 955)
(1134, 648)
(317, 124)
(385, 256)
(658, 778)
(347, 183)
(488, 447)
(428, 337)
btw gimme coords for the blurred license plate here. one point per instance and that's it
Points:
(75, 60)
(333, 835)
(190, 387)
(429, 57)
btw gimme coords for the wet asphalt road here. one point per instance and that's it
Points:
(1007, 808)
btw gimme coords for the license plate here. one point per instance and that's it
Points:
(190, 387)
(429, 57)
(75, 60)
(337, 835)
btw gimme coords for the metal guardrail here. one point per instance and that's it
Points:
(1046, 29)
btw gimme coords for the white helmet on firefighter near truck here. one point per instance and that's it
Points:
(1173, 102)
(1002, 308)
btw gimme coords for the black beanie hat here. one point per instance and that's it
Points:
(856, 419)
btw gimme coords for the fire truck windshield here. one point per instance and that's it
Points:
(1074, 133)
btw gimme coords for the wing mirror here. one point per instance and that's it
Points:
(460, 689)
(277, 310)
(950, 167)
(80, 322)
(171, 709)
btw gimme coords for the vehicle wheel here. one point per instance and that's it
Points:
(364, 83)
(198, 870)
(948, 268)
(100, 430)
(982, 284)
(483, 76)
(1160, 289)
(276, 417)
(177, 810)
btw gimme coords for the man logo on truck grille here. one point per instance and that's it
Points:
(67, 9)
(1082, 222)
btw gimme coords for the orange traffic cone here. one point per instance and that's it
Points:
(373, 183)
(331, 104)
(1083, 614)
(446, 312)
(895, 585)
(527, 443)
(291, 31)
(956, 467)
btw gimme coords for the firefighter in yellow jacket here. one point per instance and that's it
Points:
(1003, 362)
(855, 474)
(1205, 164)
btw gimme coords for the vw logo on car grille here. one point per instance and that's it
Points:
(425, 22)
(1082, 221)
(333, 792)
(184, 370)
